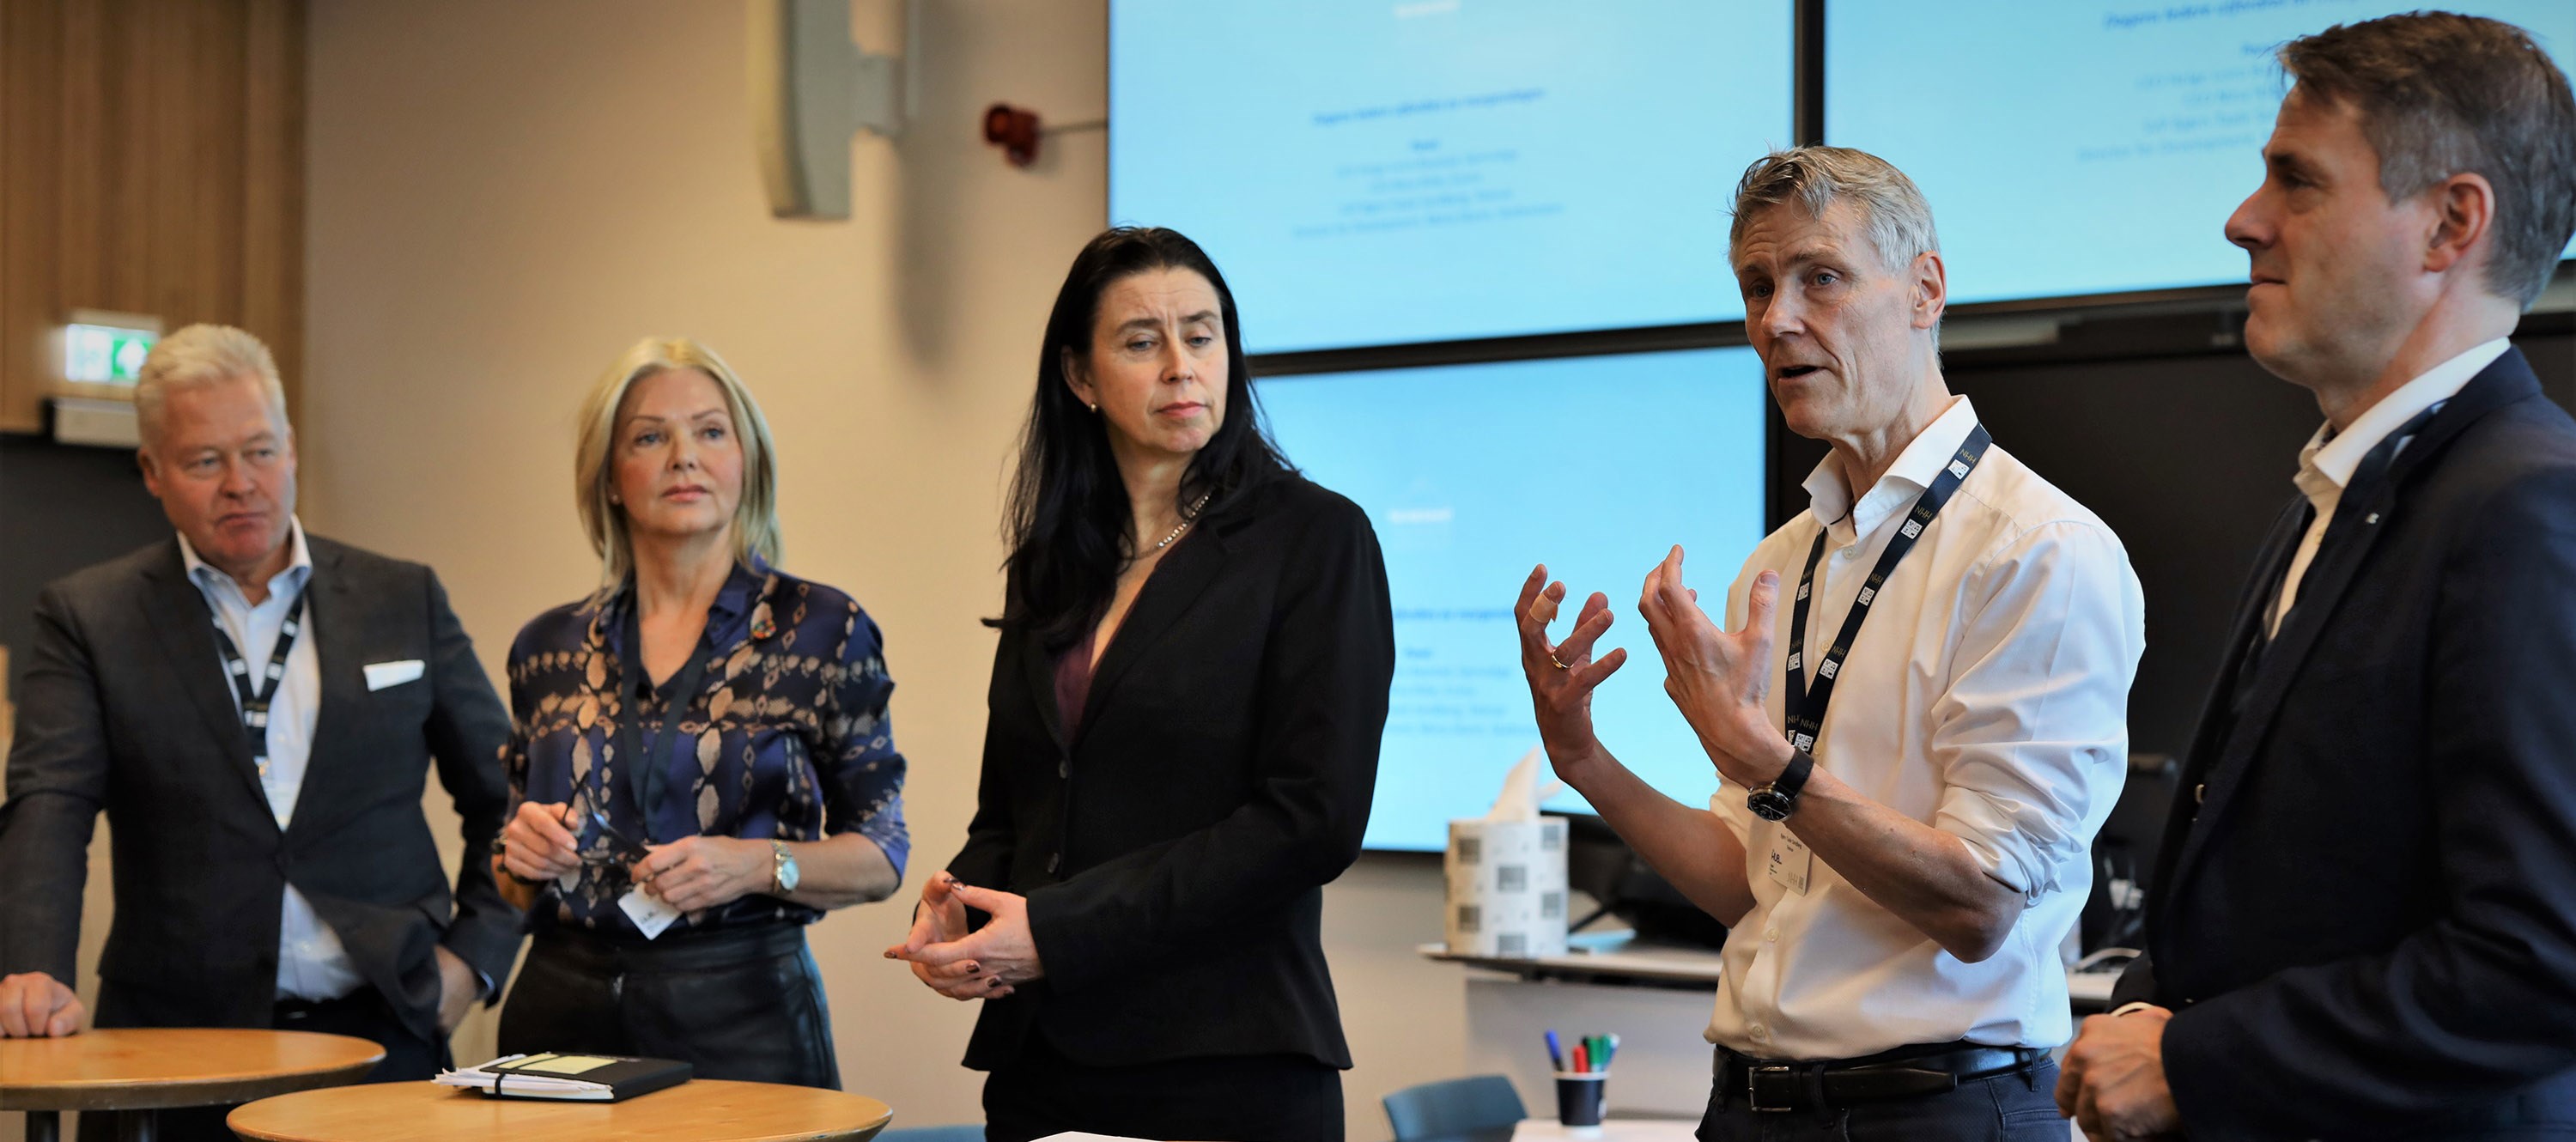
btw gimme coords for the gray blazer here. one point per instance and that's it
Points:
(124, 708)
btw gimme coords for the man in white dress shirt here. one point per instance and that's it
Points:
(1918, 716)
(254, 708)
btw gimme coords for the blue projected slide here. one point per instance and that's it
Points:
(1373, 172)
(2086, 146)
(1474, 473)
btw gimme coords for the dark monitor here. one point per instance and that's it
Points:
(2124, 854)
(1600, 865)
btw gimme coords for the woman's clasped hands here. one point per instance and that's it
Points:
(984, 963)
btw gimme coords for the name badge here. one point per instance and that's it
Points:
(650, 913)
(1791, 860)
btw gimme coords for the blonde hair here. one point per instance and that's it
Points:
(755, 517)
(200, 355)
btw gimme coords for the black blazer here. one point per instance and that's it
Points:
(1174, 850)
(2364, 913)
(125, 707)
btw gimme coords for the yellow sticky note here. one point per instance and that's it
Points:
(565, 1065)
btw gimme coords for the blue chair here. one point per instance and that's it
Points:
(1455, 1106)
(970, 1132)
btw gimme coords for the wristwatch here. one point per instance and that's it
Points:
(783, 874)
(1775, 801)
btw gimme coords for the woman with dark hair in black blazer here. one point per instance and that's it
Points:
(1182, 739)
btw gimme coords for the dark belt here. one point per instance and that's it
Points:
(1906, 1072)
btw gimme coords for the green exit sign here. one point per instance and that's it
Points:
(105, 354)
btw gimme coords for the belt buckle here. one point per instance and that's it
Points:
(1788, 1088)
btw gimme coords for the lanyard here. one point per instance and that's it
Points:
(255, 703)
(1804, 704)
(646, 762)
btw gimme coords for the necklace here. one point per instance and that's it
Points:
(1188, 517)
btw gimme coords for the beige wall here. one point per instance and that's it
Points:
(504, 194)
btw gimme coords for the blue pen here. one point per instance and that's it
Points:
(1612, 1053)
(1555, 1056)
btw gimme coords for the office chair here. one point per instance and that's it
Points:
(1454, 1106)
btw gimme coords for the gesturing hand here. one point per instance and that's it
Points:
(959, 965)
(1563, 676)
(1717, 678)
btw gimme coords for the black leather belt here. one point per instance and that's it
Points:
(1907, 1072)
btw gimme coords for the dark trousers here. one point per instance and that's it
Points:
(2006, 1108)
(362, 1014)
(743, 1004)
(1250, 1098)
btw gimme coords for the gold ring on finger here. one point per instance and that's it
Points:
(1553, 661)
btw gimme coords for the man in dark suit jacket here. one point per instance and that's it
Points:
(273, 869)
(2363, 922)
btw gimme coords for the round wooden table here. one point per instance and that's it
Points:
(134, 1071)
(700, 1110)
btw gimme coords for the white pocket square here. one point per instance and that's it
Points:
(383, 674)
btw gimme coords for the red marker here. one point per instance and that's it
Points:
(1581, 1064)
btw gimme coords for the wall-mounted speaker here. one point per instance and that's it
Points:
(812, 88)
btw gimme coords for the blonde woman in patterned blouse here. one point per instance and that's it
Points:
(680, 814)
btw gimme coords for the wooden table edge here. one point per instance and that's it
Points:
(165, 1094)
(863, 1133)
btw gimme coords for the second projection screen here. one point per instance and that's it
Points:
(1373, 172)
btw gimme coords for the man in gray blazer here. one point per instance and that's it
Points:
(254, 708)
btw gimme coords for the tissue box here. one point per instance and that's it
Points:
(1506, 888)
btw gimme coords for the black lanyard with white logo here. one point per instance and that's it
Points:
(645, 761)
(255, 703)
(1805, 705)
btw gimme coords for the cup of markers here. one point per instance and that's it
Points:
(1582, 1075)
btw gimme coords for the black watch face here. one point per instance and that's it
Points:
(1769, 804)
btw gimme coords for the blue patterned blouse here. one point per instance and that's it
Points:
(785, 738)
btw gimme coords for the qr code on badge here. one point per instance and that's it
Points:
(1512, 878)
(1470, 917)
(1471, 849)
(1511, 944)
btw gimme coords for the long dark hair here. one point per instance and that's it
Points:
(1068, 516)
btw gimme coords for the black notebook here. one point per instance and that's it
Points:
(569, 1075)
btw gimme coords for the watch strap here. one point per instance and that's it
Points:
(1794, 778)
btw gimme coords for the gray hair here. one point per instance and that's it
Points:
(201, 355)
(1898, 221)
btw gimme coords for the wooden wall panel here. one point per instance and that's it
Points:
(151, 161)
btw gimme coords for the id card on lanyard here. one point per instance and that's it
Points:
(1803, 705)
(645, 762)
(255, 701)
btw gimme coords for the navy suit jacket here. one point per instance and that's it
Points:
(124, 709)
(2364, 915)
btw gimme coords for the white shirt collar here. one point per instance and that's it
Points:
(2333, 461)
(1829, 495)
(298, 569)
